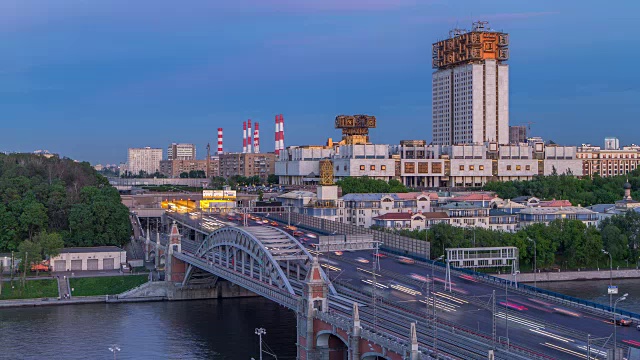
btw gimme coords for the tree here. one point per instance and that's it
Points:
(615, 242)
(29, 253)
(184, 175)
(8, 226)
(51, 243)
(217, 182)
(33, 218)
(272, 179)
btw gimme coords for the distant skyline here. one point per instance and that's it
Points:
(89, 79)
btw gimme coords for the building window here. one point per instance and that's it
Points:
(528, 167)
(461, 167)
(372, 167)
(362, 167)
(508, 167)
(383, 167)
(481, 167)
(471, 167)
(518, 167)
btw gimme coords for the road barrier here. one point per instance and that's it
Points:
(393, 242)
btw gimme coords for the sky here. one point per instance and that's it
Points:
(88, 79)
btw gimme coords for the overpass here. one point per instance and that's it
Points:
(348, 309)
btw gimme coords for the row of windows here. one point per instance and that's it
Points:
(519, 167)
(371, 167)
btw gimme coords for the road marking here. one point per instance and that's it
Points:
(369, 272)
(565, 350)
(594, 351)
(520, 321)
(452, 298)
(440, 304)
(370, 282)
(406, 290)
(552, 335)
(330, 267)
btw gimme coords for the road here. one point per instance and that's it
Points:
(541, 325)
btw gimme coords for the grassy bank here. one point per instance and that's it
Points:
(33, 289)
(105, 285)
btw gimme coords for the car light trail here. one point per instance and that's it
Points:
(370, 282)
(406, 290)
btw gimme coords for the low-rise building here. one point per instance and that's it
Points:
(173, 168)
(467, 215)
(610, 161)
(533, 215)
(247, 165)
(360, 209)
(89, 258)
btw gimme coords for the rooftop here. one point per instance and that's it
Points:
(556, 210)
(555, 203)
(91, 249)
(297, 194)
(474, 197)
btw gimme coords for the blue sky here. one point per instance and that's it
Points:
(87, 79)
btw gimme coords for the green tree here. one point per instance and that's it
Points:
(51, 243)
(8, 232)
(217, 182)
(615, 242)
(33, 217)
(184, 175)
(272, 179)
(32, 253)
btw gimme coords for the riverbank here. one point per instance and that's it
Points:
(74, 301)
(601, 274)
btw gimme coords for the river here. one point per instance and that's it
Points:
(202, 329)
(596, 290)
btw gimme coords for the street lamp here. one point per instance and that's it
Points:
(260, 332)
(114, 349)
(433, 297)
(610, 273)
(615, 327)
(535, 263)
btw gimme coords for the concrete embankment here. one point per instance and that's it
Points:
(150, 291)
(602, 274)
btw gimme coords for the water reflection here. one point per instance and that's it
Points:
(209, 329)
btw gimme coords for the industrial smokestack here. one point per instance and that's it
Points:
(256, 139)
(249, 136)
(244, 137)
(219, 141)
(281, 133)
(277, 133)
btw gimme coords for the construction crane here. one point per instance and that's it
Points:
(529, 123)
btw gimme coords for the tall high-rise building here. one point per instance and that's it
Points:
(181, 152)
(144, 159)
(471, 87)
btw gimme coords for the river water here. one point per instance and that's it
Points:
(596, 290)
(202, 329)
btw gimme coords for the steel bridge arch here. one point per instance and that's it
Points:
(255, 242)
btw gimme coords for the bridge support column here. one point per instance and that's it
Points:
(147, 247)
(174, 268)
(415, 354)
(157, 250)
(314, 298)
(355, 334)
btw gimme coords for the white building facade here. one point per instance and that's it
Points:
(471, 104)
(145, 159)
(181, 152)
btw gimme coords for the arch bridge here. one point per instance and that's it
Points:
(264, 260)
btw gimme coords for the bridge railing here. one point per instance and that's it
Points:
(532, 290)
(401, 244)
(269, 292)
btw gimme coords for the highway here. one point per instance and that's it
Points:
(543, 326)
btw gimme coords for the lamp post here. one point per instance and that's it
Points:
(260, 332)
(114, 349)
(535, 262)
(610, 273)
(433, 297)
(615, 326)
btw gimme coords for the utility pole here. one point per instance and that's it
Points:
(493, 320)
(376, 265)
(260, 332)
(24, 273)
(12, 269)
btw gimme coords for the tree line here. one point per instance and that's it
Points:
(568, 243)
(46, 203)
(365, 184)
(580, 191)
